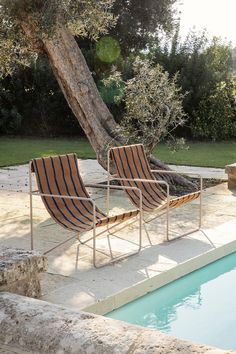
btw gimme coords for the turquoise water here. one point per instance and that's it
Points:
(200, 307)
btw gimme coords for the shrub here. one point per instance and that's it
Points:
(153, 105)
(216, 116)
(31, 103)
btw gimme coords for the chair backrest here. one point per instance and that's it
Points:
(59, 175)
(131, 162)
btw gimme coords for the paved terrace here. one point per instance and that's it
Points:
(83, 286)
(15, 178)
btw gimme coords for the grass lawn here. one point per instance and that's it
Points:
(200, 154)
(14, 151)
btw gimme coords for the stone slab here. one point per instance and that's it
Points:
(231, 171)
(19, 271)
(6, 349)
(230, 168)
(41, 327)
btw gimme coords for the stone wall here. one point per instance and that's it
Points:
(40, 327)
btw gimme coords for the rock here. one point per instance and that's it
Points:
(20, 270)
(40, 327)
(231, 171)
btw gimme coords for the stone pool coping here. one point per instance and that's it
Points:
(37, 327)
(175, 272)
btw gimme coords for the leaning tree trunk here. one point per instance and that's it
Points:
(80, 91)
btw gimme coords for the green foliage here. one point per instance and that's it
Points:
(153, 105)
(112, 88)
(201, 64)
(140, 22)
(10, 121)
(26, 23)
(216, 115)
(108, 49)
(39, 18)
(31, 103)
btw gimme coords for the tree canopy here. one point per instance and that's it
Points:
(39, 18)
(139, 22)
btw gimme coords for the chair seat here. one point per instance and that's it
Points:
(120, 217)
(178, 201)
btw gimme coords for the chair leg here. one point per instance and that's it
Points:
(200, 211)
(148, 237)
(109, 245)
(167, 222)
(94, 246)
(124, 256)
(31, 209)
(31, 224)
(194, 230)
(77, 255)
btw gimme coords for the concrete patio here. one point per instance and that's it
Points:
(84, 286)
(15, 178)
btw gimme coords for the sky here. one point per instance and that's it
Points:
(217, 16)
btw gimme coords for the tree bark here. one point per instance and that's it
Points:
(80, 91)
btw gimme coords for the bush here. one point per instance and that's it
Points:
(216, 116)
(31, 103)
(153, 105)
(202, 64)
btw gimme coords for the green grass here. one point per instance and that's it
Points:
(15, 151)
(200, 154)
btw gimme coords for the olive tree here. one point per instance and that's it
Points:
(153, 105)
(31, 26)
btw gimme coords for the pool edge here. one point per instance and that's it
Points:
(177, 271)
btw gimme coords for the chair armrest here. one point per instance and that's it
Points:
(111, 187)
(61, 196)
(67, 197)
(147, 181)
(156, 181)
(119, 188)
(178, 173)
(182, 173)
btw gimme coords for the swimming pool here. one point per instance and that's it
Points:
(200, 307)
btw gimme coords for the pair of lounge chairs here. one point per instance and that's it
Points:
(69, 204)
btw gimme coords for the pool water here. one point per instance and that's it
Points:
(200, 307)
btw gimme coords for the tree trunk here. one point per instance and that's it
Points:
(80, 91)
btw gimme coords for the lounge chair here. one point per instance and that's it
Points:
(133, 170)
(67, 201)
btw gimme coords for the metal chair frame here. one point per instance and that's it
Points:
(95, 235)
(111, 177)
